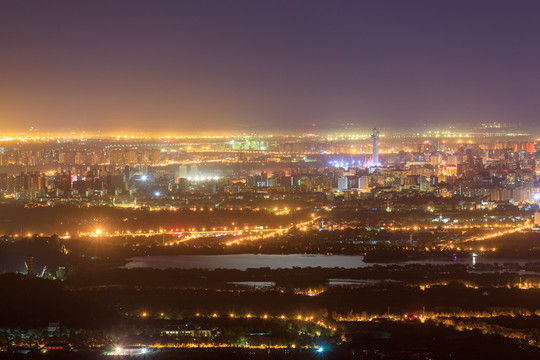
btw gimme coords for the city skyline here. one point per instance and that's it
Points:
(348, 130)
(285, 179)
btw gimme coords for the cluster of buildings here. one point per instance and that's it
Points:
(495, 169)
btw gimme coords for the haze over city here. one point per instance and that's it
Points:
(233, 67)
(254, 180)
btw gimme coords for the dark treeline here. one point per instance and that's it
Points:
(452, 298)
(414, 274)
(29, 303)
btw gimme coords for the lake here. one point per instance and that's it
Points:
(245, 261)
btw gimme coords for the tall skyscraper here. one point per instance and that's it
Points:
(375, 139)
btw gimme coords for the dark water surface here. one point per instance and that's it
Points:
(245, 261)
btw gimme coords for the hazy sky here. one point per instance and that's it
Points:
(253, 65)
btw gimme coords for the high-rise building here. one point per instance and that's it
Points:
(375, 139)
(363, 182)
(343, 183)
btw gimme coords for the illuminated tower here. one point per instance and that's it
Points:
(375, 139)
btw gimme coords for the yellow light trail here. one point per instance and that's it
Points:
(524, 226)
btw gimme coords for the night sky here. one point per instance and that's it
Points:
(241, 66)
